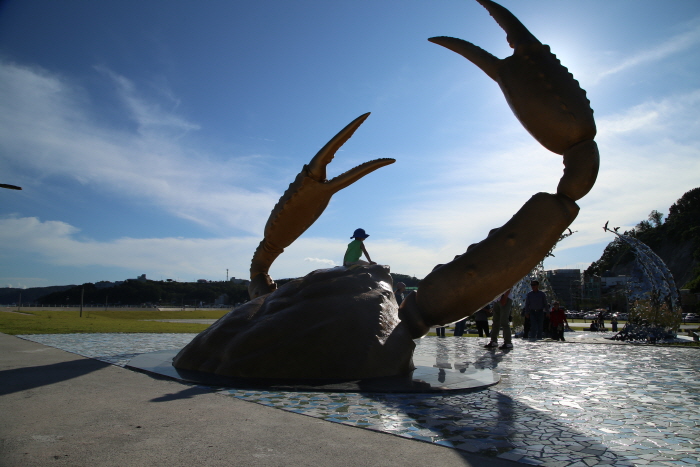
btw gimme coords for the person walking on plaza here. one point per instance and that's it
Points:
(547, 330)
(535, 305)
(526, 323)
(356, 248)
(613, 323)
(557, 318)
(460, 326)
(501, 314)
(400, 292)
(482, 321)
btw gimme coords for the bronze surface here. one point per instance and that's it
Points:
(344, 322)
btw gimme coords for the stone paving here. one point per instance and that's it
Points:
(558, 404)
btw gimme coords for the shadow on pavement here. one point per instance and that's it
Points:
(21, 379)
(188, 393)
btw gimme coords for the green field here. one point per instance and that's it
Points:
(68, 320)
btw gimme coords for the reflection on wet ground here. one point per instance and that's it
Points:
(557, 404)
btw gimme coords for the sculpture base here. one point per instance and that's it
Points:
(425, 378)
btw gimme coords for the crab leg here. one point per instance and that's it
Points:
(303, 203)
(551, 105)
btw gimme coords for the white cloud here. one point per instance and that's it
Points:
(673, 45)
(59, 244)
(649, 157)
(149, 116)
(329, 263)
(46, 130)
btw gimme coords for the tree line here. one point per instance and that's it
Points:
(137, 292)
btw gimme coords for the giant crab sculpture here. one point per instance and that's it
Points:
(345, 322)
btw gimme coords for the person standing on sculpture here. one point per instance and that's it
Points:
(501, 320)
(557, 318)
(482, 321)
(356, 248)
(535, 305)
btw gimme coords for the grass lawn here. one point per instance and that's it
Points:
(68, 320)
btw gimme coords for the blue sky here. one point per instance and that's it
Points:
(155, 137)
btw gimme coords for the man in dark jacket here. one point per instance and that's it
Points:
(535, 306)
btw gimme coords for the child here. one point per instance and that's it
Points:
(356, 248)
(557, 318)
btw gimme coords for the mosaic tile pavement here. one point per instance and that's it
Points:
(558, 404)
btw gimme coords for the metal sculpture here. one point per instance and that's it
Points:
(653, 304)
(549, 103)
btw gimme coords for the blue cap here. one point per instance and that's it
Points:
(359, 233)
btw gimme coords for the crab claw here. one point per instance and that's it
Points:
(316, 169)
(549, 103)
(303, 203)
(542, 93)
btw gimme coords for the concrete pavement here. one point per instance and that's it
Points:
(57, 408)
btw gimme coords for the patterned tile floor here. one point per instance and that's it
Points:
(558, 404)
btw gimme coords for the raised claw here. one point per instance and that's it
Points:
(316, 169)
(303, 203)
(542, 93)
(549, 103)
(464, 285)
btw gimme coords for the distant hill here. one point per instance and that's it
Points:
(676, 240)
(11, 295)
(135, 292)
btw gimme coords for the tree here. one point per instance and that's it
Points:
(684, 214)
(656, 218)
(643, 226)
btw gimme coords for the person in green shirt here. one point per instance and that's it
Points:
(356, 248)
